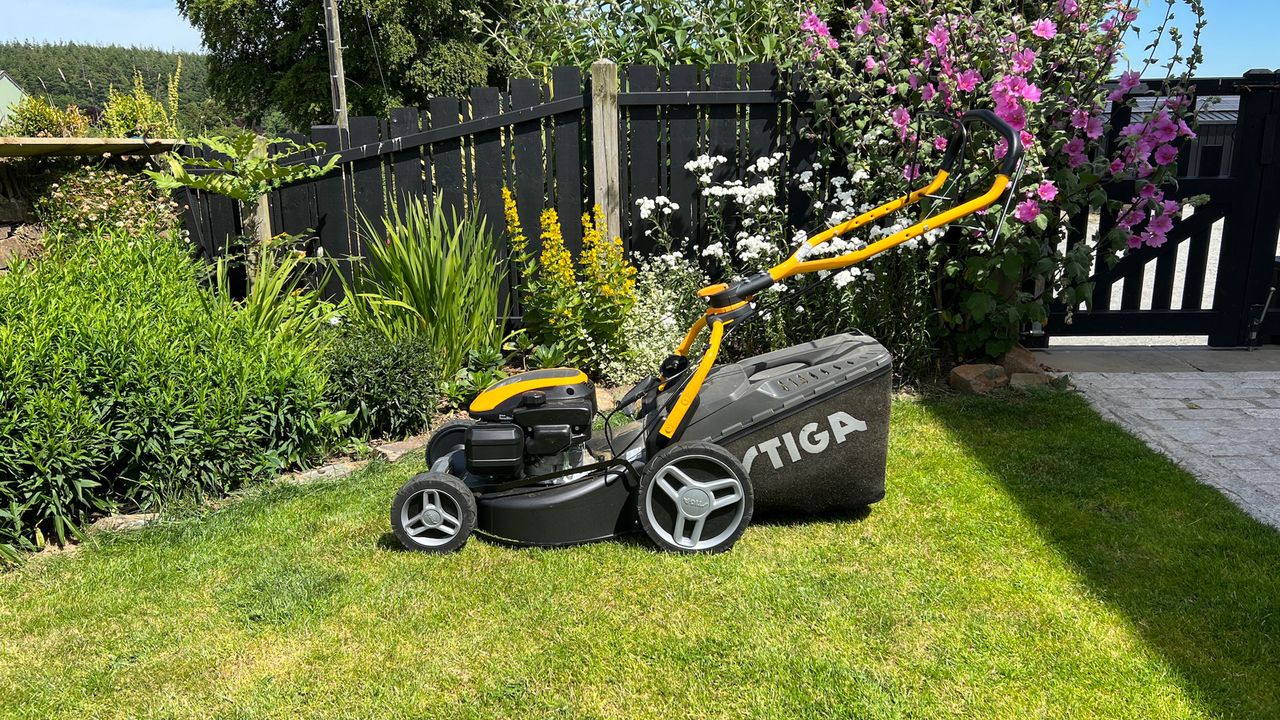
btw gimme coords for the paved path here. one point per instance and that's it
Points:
(1224, 427)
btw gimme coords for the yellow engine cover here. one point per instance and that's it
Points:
(505, 389)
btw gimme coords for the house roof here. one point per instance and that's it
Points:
(6, 76)
(1225, 109)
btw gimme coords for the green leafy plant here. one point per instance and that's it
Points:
(281, 296)
(91, 196)
(548, 356)
(138, 113)
(33, 116)
(124, 385)
(391, 387)
(432, 276)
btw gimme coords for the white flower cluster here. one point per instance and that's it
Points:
(705, 163)
(662, 204)
(759, 197)
(765, 163)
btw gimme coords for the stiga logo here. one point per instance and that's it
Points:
(811, 439)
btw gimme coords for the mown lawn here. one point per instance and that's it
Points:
(1030, 560)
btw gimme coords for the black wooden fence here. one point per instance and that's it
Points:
(537, 140)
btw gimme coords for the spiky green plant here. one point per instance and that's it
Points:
(430, 275)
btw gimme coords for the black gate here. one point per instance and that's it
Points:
(1214, 274)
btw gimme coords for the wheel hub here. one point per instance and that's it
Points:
(432, 518)
(695, 502)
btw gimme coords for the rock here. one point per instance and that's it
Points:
(326, 472)
(1020, 360)
(19, 242)
(123, 523)
(395, 450)
(604, 400)
(978, 379)
(1029, 380)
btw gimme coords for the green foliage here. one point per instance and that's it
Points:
(390, 387)
(246, 172)
(280, 298)
(666, 306)
(579, 309)
(123, 385)
(76, 74)
(539, 34)
(432, 276)
(34, 116)
(138, 113)
(396, 53)
(482, 369)
(88, 197)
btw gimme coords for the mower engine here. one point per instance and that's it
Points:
(534, 423)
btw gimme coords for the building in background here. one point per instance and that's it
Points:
(10, 94)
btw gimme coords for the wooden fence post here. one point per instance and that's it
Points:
(604, 142)
(262, 209)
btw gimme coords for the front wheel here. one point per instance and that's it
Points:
(695, 497)
(434, 512)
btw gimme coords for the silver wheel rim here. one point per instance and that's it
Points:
(695, 501)
(431, 517)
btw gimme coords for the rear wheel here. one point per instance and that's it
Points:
(695, 497)
(433, 512)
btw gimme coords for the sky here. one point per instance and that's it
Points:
(1240, 34)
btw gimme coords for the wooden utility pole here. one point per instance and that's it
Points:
(606, 163)
(337, 78)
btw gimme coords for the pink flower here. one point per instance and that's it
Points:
(1166, 154)
(1044, 28)
(1024, 60)
(1116, 167)
(1068, 7)
(1027, 211)
(927, 92)
(878, 8)
(938, 36)
(1047, 191)
(1031, 93)
(901, 119)
(1160, 225)
(911, 172)
(1129, 218)
(968, 80)
(940, 143)
(1093, 130)
(871, 65)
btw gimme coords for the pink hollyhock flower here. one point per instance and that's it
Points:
(1027, 211)
(911, 172)
(968, 80)
(1116, 167)
(901, 119)
(1093, 130)
(1129, 218)
(1047, 191)
(1148, 191)
(1166, 154)
(871, 65)
(927, 92)
(938, 36)
(1068, 7)
(1031, 93)
(1079, 118)
(878, 8)
(1023, 61)
(1170, 207)
(1074, 146)
(1044, 28)
(862, 28)
(1160, 224)
(940, 144)
(1026, 138)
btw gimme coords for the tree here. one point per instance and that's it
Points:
(271, 55)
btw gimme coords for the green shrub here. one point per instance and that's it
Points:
(90, 197)
(124, 385)
(138, 113)
(390, 387)
(35, 117)
(431, 277)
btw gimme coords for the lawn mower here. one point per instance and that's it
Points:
(801, 429)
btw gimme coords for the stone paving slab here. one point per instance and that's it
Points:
(1223, 427)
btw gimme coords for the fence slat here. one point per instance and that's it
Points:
(446, 155)
(567, 82)
(406, 165)
(332, 219)
(682, 129)
(1197, 263)
(368, 195)
(722, 121)
(528, 165)
(762, 117)
(643, 152)
(1162, 285)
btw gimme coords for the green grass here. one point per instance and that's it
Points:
(1030, 560)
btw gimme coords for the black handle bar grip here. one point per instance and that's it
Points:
(1013, 158)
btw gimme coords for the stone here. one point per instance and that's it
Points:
(1020, 360)
(604, 399)
(20, 242)
(326, 472)
(1029, 380)
(393, 451)
(123, 523)
(977, 379)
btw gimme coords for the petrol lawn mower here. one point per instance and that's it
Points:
(801, 429)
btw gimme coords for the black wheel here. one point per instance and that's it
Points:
(448, 438)
(695, 497)
(434, 512)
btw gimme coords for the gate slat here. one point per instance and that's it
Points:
(1197, 263)
(1162, 285)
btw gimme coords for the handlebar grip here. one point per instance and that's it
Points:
(1013, 158)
